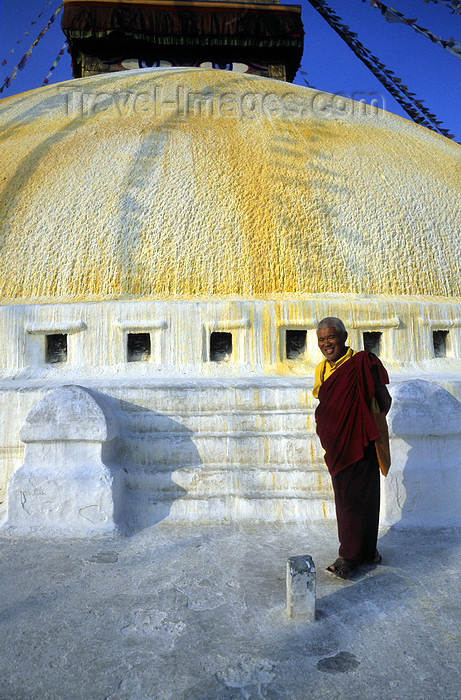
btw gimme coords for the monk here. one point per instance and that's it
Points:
(351, 388)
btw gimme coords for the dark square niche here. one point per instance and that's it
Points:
(56, 348)
(295, 343)
(439, 339)
(220, 346)
(138, 347)
(372, 342)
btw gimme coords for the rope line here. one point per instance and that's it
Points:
(391, 15)
(55, 63)
(23, 60)
(406, 99)
(4, 62)
(453, 5)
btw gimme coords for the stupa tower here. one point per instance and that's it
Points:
(263, 39)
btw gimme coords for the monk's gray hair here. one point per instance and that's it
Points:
(332, 322)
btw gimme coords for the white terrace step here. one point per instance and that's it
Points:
(224, 508)
(228, 448)
(218, 480)
(217, 451)
(271, 420)
(215, 396)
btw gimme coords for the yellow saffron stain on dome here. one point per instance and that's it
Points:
(119, 202)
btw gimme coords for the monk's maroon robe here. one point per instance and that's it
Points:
(345, 423)
(347, 429)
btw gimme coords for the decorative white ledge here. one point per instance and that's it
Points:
(440, 323)
(393, 322)
(139, 326)
(57, 327)
(297, 323)
(231, 325)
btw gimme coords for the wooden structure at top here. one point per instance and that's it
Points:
(109, 35)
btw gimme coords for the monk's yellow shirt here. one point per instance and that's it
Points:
(324, 369)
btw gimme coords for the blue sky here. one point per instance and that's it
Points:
(328, 63)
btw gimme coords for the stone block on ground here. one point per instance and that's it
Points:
(301, 588)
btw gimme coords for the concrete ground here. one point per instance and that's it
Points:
(198, 613)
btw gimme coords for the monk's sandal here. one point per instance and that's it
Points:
(342, 568)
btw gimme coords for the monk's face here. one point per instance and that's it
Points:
(332, 343)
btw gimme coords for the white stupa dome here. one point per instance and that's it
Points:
(200, 183)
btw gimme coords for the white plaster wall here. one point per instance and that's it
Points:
(180, 331)
(254, 412)
(204, 449)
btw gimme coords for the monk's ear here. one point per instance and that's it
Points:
(345, 336)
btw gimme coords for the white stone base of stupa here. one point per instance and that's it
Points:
(118, 455)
